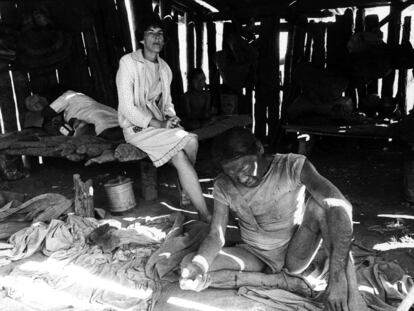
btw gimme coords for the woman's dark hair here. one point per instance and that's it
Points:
(151, 21)
(233, 144)
(192, 74)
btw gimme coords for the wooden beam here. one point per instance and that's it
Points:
(395, 13)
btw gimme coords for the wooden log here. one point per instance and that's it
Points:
(393, 39)
(403, 72)
(93, 150)
(371, 24)
(44, 152)
(74, 157)
(128, 152)
(83, 197)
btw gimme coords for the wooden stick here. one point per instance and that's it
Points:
(83, 196)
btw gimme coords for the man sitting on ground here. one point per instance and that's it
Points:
(280, 230)
(84, 114)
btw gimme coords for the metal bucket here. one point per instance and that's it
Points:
(121, 194)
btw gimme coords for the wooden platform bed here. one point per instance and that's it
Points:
(306, 133)
(94, 150)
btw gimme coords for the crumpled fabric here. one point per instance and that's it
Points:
(76, 273)
(382, 284)
(165, 262)
(280, 299)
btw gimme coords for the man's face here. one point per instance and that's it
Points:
(153, 39)
(52, 125)
(244, 170)
(199, 82)
(36, 102)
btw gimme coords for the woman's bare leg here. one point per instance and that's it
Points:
(189, 181)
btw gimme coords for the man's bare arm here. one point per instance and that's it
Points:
(214, 242)
(338, 218)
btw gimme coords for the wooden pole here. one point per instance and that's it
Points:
(393, 39)
(371, 24)
(199, 28)
(403, 72)
(190, 42)
(212, 68)
(267, 87)
(83, 197)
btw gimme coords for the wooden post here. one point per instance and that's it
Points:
(296, 54)
(213, 71)
(393, 39)
(149, 186)
(287, 82)
(190, 42)
(199, 28)
(371, 24)
(403, 72)
(319, 48)
(267, 87)
(83, 197)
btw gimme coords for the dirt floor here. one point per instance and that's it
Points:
(368, 173)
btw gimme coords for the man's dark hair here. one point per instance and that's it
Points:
(54, 92)
(194, 73)
(233, 144)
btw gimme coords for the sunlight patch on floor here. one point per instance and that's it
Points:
(188, 304)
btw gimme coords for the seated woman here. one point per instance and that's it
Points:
(147, 115)
(196, 103)
(82, 113)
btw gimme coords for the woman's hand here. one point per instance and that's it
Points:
(171, 123)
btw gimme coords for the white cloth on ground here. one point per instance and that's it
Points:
(79, 274)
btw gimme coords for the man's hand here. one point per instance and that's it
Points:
(336, 295)
(193, 278)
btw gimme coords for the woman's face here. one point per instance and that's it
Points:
(153, 40)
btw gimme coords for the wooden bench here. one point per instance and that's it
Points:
(94, 150)
(306, 133)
